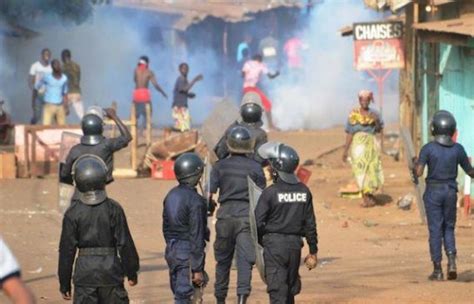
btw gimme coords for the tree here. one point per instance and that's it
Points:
(19, 11)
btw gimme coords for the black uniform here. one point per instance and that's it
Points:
(105, 150)
(107, 253)
(232, 228)
(185, 231)
(284, 214)
(256, 131)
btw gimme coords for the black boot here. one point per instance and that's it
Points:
(452, 271)
(220, 300)
(437, 274)
(242, 299)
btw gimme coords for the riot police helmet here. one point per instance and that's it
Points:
(443, 127)
(282, 158)
(251, 113)
(240, 140)
(188, 168)
(92, 128)
(90, 177)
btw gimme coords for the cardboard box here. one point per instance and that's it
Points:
(7, 165)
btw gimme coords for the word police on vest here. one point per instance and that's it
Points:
(292, 197)
(378, 31)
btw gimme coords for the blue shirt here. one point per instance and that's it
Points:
(55, 88)
(443, 162)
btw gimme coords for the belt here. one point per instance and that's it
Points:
(103, 251)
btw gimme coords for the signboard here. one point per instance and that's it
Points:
(378, 45)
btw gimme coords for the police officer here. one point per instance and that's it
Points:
(284, 214)
(185, 230)
(442, 156)
(251, 118)
(96, 227)
(229, 176)
(93, 142)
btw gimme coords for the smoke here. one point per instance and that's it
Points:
(329, 86)
(107, 47)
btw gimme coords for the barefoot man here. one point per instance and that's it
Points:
(142, 96)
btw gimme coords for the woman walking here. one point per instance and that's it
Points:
(362, 126)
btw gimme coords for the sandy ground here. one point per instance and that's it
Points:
(377, 255)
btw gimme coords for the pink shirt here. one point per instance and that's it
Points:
(292, 49)
(253, 69)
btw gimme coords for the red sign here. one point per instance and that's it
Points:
(378, 45)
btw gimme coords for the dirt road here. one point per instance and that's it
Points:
(377, 255)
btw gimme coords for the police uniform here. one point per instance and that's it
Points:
(284, 214)
(229, 176)
(440, 196)
(259, 135)
(185, 232)
(106, 253)
(104, 149)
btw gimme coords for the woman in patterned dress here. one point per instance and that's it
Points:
(361, 128)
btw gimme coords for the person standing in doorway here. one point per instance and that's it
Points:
(38, 70)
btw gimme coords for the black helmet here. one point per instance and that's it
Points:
(92, 128)
(443, 127)
(240, 140)
(90, 176)
(188, 168)
(283, 159)
(251, 113)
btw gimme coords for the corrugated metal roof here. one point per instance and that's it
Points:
(398, 4)
(462, 26)
(17, 31)
(193, 11)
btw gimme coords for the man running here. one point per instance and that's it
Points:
(251, 72)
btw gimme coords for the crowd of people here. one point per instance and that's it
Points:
(56, 85)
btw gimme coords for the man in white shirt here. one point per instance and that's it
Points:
(10, 281)
(37, 71)
(252, 72)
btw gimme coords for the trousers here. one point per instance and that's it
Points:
(177, 255)
(233, 235)
(100, 295)
(282, 256)
(440, 205)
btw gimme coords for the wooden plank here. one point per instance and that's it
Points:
(27, 152)
(34, 139)
(148, 124)
(134, 146)
(418, 184)
(7, 166)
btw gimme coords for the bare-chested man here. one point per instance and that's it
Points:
(142, 96)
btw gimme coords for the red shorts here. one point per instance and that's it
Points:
(141, 95)
(266, 103)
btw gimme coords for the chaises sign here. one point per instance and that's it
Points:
(378, 45)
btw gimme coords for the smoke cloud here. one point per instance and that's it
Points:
(108, 45)
(329, 86)
(107, 48)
